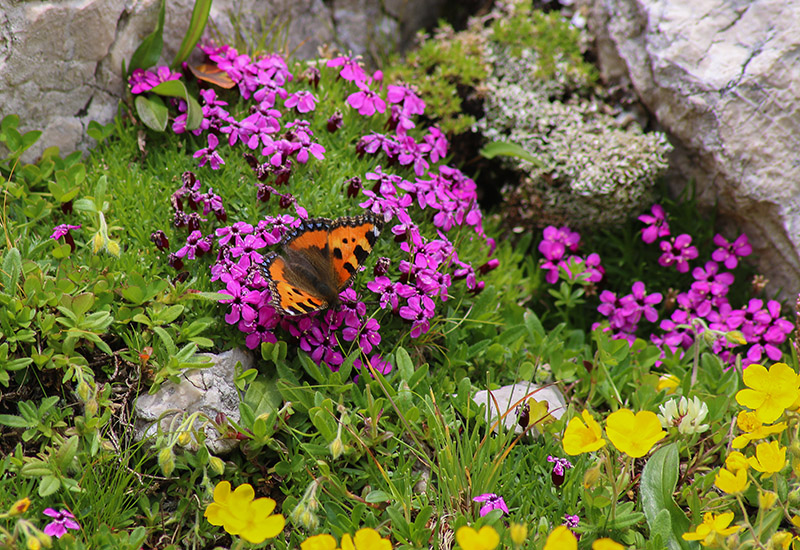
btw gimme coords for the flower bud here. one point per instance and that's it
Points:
(166, 461)
(217, 465)
(336, 447)
(519, 533)
(591, 476)
(19, 507)
(184, 439)
(735, 337)
(794, 498)
(83, 390)
(766, 499)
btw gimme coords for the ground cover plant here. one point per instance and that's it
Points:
(357, 428)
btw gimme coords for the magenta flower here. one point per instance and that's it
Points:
(351, 68)
(678, 252)
(729, 253)
(304, 101)
(62, 521)
(560, 467)
(493, 502)
(366, 101)
(209, 155)
(571, 521)
(142, 81)
(657, 224)
(63, 230)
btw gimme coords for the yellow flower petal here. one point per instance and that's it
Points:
(319, 542)
(770, 457)
(370, 539)
(634, 434)
(606, 544)
(770, 392)
(470, 539)
(730, 482)
(561, 539)
(582, 438)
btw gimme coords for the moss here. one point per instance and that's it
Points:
(592, 170)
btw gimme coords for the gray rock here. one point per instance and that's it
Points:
(210, 391)
(724, 79)
(61, 62)
(508, 397)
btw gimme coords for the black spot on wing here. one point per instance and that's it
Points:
(337, 252)
(360, 254)
(351, 269)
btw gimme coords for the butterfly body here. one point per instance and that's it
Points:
(318, 261)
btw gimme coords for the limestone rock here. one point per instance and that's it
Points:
(724, 79)
(61, 62)
(508, 397)
(210, 391)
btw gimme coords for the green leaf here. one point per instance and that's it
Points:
(658, 482)
(176, 88)
(12, 268)
(148, 52)
(377, 496)
(404, 364)
(194, 32)
(14, 421)
(49, 485)
(508, 149)
(152, 112)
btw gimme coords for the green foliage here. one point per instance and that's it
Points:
(441, 68)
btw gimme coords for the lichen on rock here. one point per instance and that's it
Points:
(594, 169)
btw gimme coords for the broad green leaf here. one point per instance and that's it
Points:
(508, 149)
(152, 112)
(658, 482)
(14, 421)
(49, 485)
(194, 32)
(12, 268)
(148, 52)
(176, 88)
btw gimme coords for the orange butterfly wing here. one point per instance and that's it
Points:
(285, 296)
(319, 259)
(350, 242)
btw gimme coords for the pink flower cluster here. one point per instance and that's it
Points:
(410, 291)
(760, 324)
(554, 246)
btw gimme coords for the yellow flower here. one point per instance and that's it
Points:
(766, 499)
(606, 544)
(561, 539)
(583, 438)
(770, 392)
(736, 461)
(34, 544)
(470, 539)
(239, 514)
(754, 429)
(19, 507)
(770, 458)
(781, 540)
(667, 382)
(519, 532)
(539, 414)
(632, 434)
(730, 482)
(319, 542)
(366, 539)
(713, 529)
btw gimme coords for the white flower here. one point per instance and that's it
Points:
(686, 414)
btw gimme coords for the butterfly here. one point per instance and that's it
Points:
(319, 259)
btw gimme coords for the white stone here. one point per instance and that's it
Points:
(210, 391)
(509, 397)
(723, 78)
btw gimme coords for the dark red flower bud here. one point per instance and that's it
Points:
(193, 221)
(180, 219)
(175, 262)
(381, 266)
(66, 207)
(312, 74)
(335, 122)
(557, 477)
(282, 173)
(286, 200)
(189, 179)
(488, 266)
(262, 192)
(523, 415)
(251, 160)
(353, 187)
(159, 238)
